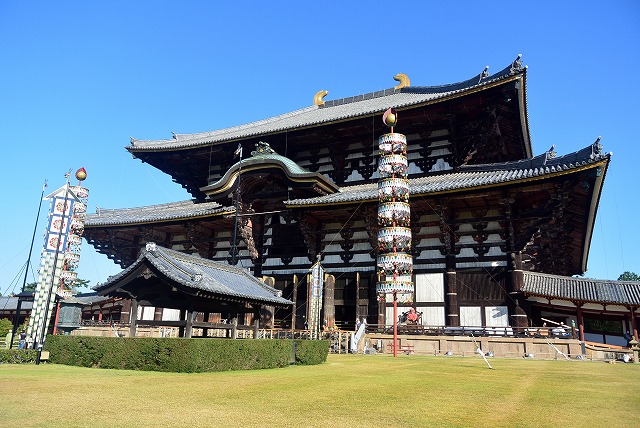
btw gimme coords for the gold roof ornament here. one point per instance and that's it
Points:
(318, 98)
(403, 79)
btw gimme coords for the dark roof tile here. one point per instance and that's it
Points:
(584, 290)
(198, 273)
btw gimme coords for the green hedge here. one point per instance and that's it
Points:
(178, 354)
(17, 356)
(310, 352)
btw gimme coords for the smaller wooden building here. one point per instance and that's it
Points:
(191, 285)
(603, 311)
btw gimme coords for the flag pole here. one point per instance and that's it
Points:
(26, 271)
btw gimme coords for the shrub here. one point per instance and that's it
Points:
(5, 327)
(17, 356)
(179, 354)
(309, 352)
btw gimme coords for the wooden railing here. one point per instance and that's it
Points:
(481, 331)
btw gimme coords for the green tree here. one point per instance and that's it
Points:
(5, 327)
(75, 289)
(629, 276)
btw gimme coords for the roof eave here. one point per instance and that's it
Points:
(185, 145)
(524, 113)
(459, 189)
(593, 210)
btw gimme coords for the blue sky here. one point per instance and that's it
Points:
(79, 78)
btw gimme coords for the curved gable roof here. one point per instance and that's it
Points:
(339, 110)
(268, 161)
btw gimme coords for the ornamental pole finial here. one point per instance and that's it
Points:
(81, 174)
(390, 118)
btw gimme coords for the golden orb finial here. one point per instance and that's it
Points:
(81, 174)
(390, 117)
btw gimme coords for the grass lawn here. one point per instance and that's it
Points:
(348, 390)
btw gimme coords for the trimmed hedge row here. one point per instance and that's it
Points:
(179, 354)
(311, 352)
(17, 356)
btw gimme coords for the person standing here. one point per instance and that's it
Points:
(23, 340)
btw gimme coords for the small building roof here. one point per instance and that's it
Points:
(11, 304)
(336, 110)
(197, 276)
(85, 299)
(582, 290)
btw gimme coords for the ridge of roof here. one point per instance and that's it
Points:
(340, 109)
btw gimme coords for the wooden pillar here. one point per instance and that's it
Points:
(256, 321)
(516, 303)
(133, 318)
(124, 310)
(580, 322)
(205, 330)
(328, 301)
(453, 309)
(294, 308)
(382, 311)
(183, 317)
(188, 329)
(100, 313)
(234, 327)
(268, 311)
(634, 321)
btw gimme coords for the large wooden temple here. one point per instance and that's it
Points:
(494, 227)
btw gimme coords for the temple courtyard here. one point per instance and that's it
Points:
(348, 390)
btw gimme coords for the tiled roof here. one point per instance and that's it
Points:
(346, 108)
(582, 289)
(11, 304)
(471, 176)
(85, 299)
(153, 213)
(202, 274)
(468, 177)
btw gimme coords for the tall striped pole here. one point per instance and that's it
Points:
(395, 264)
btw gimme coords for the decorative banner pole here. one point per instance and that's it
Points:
(60, 253)
(395, 265)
